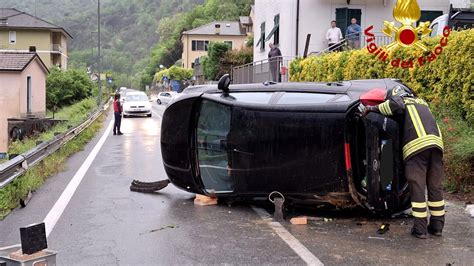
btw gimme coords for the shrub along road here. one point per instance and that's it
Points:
(105, 223)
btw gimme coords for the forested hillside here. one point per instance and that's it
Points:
(129, 27)
(137, 35)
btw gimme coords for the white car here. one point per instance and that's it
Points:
(165, 97)
(136, 103)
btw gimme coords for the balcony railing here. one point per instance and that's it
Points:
(278, 69)
(274, 69)
(56, 48)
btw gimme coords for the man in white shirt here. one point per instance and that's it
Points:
(334, 35)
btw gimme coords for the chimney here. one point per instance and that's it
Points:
(218, 28)
(32, 49)
(3, 22)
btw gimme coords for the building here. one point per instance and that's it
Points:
(287, 23)
(196, 41)
(23, 32)
(22, 89)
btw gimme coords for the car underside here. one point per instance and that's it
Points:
(306, 141)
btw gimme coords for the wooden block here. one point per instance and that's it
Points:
(299, 220)
(202, 200)
(18, 255)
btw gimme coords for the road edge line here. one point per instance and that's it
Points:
(303, 252)
(58, 208)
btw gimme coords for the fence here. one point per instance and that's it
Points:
(261, 71)
(275, 69)
(17, 166)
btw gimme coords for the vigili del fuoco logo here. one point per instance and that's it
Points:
(407, 12)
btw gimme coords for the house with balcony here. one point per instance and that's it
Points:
(196, 41)
(299, 25)
(288, 23)
(22, 90)
(22, 32)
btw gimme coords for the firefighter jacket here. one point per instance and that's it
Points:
(420, 129)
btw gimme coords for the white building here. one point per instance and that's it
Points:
(288, 22)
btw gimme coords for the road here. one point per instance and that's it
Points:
(96, 220)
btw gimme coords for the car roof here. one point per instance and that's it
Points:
(353, 88)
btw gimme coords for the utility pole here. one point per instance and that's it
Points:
(99, 56)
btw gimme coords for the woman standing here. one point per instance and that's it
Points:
(117, 114)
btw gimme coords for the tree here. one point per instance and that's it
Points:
(212, 62)
(65, 87)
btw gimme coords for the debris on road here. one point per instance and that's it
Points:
(470, 210)
(148, 187)
(301, 220)
(383, 228)
(376, 237)
(202, 200)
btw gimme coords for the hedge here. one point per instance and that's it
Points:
(445, 82)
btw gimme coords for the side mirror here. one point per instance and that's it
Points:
(224, 83)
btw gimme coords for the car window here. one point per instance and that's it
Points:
(305, 98)
(434, 30)
(250, 97)
(212, 130)
(136, 98)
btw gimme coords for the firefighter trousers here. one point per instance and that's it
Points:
(425, 170)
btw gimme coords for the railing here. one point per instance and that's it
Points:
(261, 71)
(56, 48)
(274, 69)
(17, 166)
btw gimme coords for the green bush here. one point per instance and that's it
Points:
(65, 87)
(174, 73)
(211, 62)
(447, 83)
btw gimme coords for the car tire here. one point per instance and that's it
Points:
(158, 101)
(149, 115)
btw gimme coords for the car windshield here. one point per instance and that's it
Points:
(136, 98)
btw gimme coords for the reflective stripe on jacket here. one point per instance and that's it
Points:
(420, 129)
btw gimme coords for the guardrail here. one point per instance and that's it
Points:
(17, 166)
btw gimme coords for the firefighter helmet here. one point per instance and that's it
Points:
(399, 91)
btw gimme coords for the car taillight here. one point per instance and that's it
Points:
(373, 97)
(347, 153)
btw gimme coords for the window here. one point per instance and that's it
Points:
(434, 30)
(213, 127)
(305, 98)
(198, 45)
(275, 32)
(192, 65)
(28, 95)
(12, 37)
(428, 16)
(249, 97)
(261, 41)
(229, 43)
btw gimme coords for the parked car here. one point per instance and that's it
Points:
(165, 97)
(307, 141)
(456, 19)
(136, 103)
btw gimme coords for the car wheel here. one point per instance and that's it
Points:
(158, 101)
(149, 115)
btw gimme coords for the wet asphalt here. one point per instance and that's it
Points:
(107, 224)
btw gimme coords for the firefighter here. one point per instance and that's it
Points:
(422, 155)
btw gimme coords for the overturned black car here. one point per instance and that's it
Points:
(307, 141)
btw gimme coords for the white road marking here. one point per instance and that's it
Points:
(289, 239)
(155, 113)
(61, 204)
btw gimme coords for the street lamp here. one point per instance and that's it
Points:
(99, 65)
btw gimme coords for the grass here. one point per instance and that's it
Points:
(74, 114)
(55, 163)
(458, 136)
